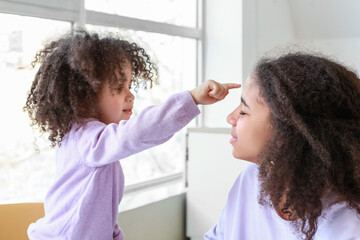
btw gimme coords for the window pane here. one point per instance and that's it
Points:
(25, 174)
(178, 12)
(176, 59)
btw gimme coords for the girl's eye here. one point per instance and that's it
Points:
(242, 113)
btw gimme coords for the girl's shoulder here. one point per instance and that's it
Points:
(246, 185)
(84, 129)
(339, 222)
(87, 124)
(248, 175)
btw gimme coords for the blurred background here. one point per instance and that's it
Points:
(175, 190)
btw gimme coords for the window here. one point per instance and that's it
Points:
(24, 172)
(177, 12)
(171, 39)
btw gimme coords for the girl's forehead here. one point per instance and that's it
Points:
(250, 88)
(251, 93)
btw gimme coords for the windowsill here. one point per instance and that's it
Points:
(138, 195)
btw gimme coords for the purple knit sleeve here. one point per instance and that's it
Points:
(100, 144)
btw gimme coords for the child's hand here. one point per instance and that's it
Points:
(210, 91)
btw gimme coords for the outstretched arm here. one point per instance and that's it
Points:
(104, 144)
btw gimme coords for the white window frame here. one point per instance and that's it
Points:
(74, 11)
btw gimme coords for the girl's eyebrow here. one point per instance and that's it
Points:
(244, 102)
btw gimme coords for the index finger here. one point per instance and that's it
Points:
(232, 85)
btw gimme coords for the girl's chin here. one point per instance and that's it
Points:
(242, 157)
(125, 117)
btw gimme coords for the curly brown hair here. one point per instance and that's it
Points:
(73, 70)
(314, 150)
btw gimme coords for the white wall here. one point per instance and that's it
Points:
(343, 50)
(275, 27)
(331, 27)
(326, 18)
(267, 24)
(222, 54)
(327, 26)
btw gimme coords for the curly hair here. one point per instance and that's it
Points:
(73, 70)
(314, 150)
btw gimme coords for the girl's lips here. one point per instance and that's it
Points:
(233, 139)
(128, 111)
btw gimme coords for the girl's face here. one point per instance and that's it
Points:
(250, 124)
(115, 106)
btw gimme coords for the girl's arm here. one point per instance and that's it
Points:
(100, 144)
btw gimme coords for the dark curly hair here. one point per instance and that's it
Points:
(314, 150)
(73, 69)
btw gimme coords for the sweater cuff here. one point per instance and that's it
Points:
(189, 103)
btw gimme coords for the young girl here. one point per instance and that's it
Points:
(299, 123)
(81, 97)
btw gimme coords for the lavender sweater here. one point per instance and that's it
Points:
(243, 218)
(83, 201)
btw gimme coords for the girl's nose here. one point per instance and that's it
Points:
(130, 97)
(232, 117)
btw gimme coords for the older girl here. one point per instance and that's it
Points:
(299, 123)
